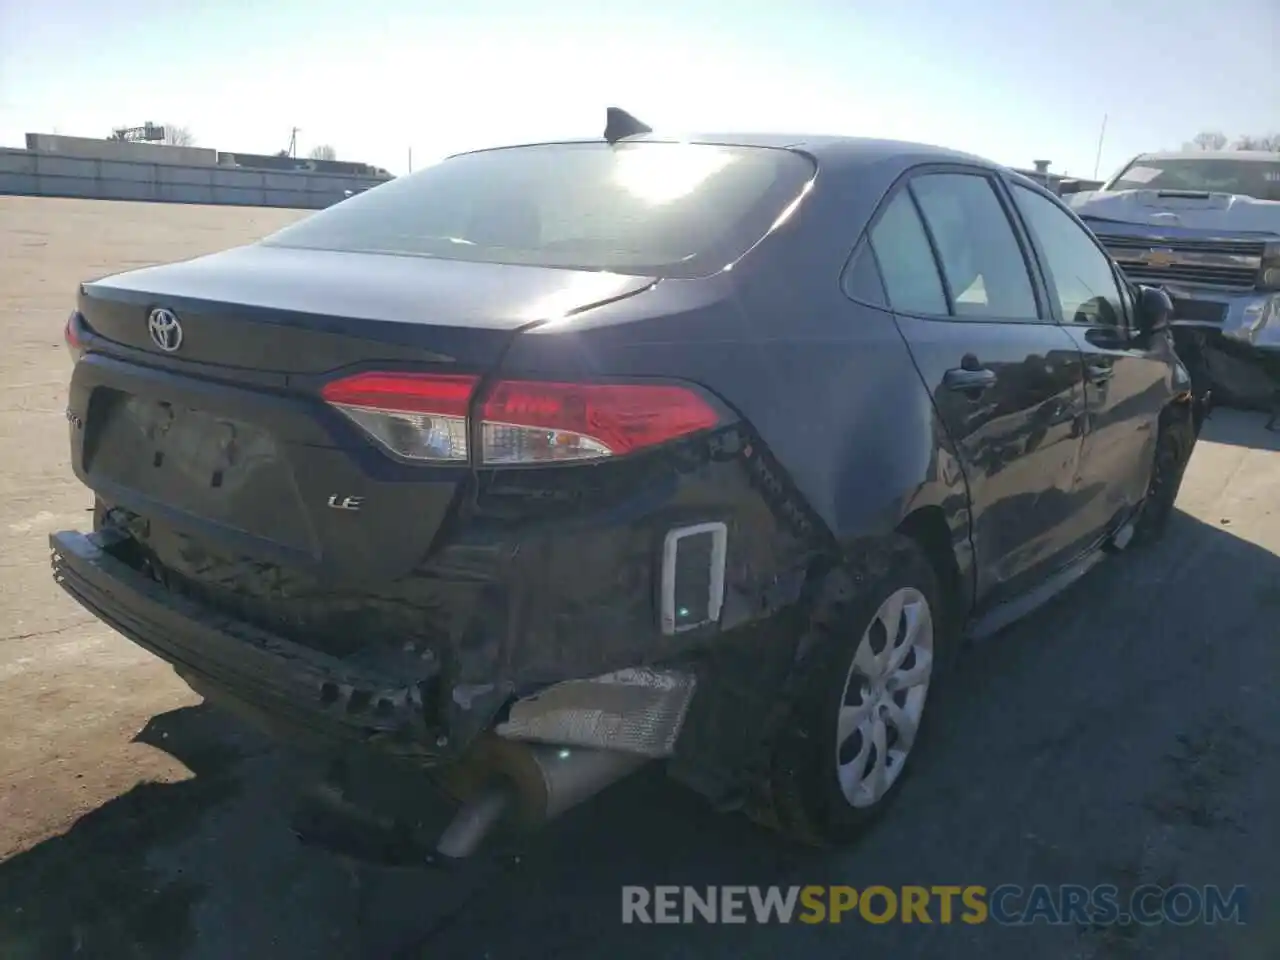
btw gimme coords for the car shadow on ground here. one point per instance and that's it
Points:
(91, 891)
(1125, 733)
(1240, 428)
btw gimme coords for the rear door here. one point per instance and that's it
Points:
(1128, 380)
(1007, 381)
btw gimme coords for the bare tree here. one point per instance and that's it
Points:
(1269, 144)
(178, 136)
(324, 152)
(1208, 140)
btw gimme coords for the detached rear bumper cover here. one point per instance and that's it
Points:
(283, 681)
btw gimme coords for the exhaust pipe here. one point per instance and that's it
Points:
(526, 767)
(534, 782)
(475, 821)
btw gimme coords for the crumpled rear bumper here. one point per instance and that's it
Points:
(298, 692)
(370, 805)
(312, 698)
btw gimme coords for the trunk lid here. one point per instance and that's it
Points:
(241, 482)
(280, 310)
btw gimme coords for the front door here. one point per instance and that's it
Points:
(1007, 380)
(1128, 380)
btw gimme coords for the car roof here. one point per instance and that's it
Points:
(1248, 156)
(845, 149)
(830, 151)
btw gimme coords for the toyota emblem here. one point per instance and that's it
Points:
(165, 330)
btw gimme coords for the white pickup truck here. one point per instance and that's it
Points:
(1205, 226)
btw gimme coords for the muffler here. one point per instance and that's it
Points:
(562, 745)
(550, 780)
(533, 783)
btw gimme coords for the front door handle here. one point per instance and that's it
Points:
(962, 378)
(1100, 373)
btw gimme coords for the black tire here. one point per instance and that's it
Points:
(798, 793)
(1173, 450)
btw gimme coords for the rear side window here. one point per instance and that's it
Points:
(650, 208)
(981, 257)
(861, 280)
(906, 261)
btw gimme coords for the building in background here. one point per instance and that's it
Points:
(134, 164)
(1059, 183)
(90, 148)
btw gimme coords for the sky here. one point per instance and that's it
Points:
(1011, 81)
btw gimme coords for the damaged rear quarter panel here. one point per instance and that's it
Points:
(573, 556)
(845, 443)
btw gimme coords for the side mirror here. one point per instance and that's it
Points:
(1154, 310)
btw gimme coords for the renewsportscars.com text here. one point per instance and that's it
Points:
(1007, 905)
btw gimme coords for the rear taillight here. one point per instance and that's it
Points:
(418, 416)
(424, 417)
(534, 422)
(71, 337)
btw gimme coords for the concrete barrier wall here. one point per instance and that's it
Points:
(87, 148)
(46, 175)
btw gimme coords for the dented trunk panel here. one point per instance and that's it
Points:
(248, 471)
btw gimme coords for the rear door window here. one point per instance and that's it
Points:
(982, 261)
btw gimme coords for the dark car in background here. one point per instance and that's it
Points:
(548, 461)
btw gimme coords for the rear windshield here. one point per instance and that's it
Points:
(664, 209)
(1259, 179)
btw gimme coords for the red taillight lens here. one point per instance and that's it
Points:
(424, 416)
(71, 337)
(414, 415)
(536, 422)
(445, 395)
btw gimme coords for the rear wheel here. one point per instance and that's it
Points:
(857, 704)
(883, 698)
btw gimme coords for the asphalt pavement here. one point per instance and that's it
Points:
(1127, 733)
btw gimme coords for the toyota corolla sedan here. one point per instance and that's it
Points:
(552, 461)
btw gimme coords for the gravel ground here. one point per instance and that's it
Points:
(1127, 733)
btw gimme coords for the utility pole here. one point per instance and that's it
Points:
(293, 142)
(1101, 136)
(411, 159)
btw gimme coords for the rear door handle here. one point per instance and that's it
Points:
(962, 378)
(1100, 373)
